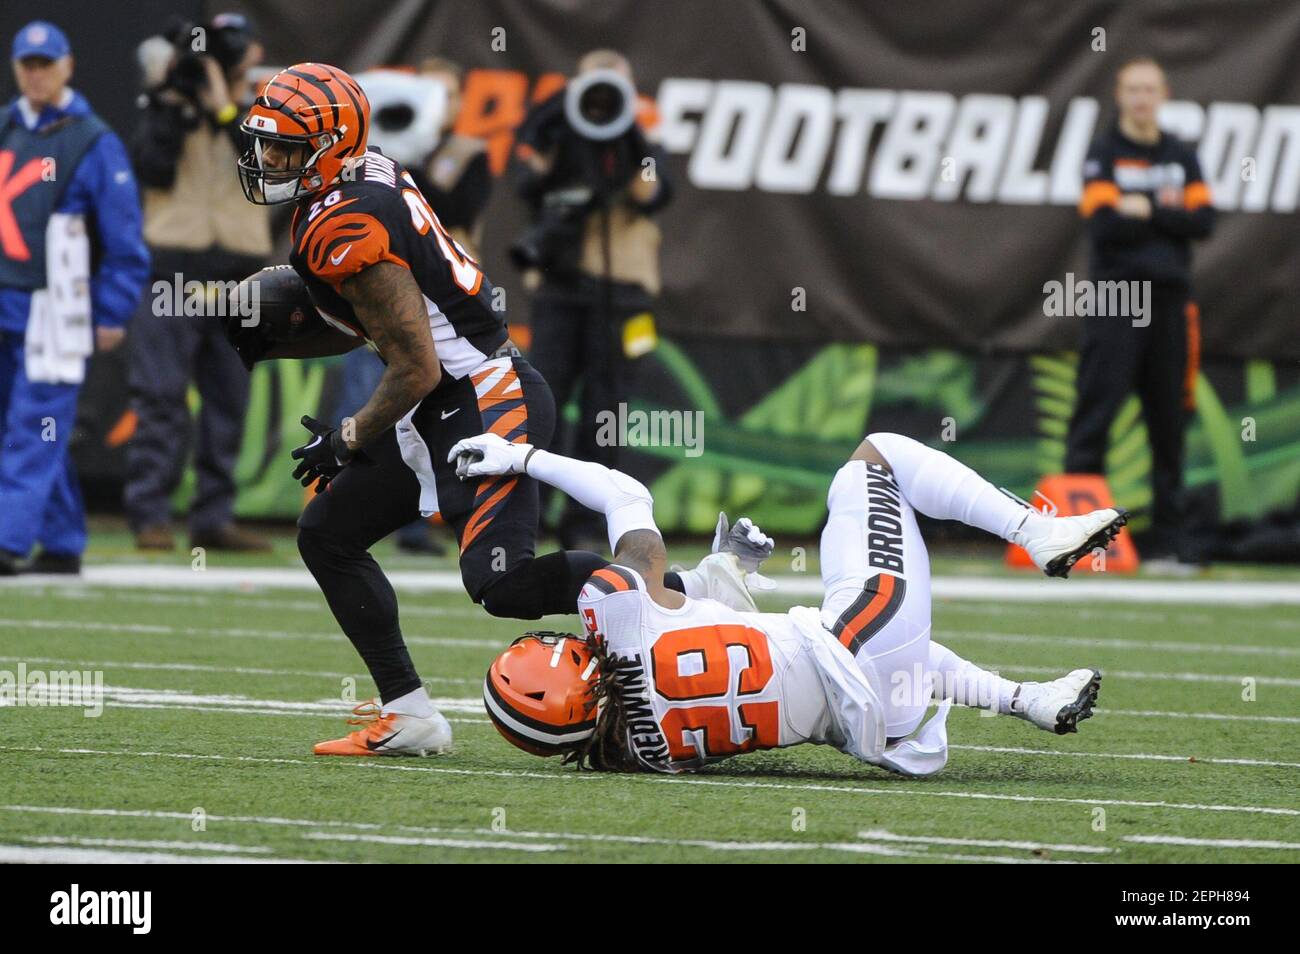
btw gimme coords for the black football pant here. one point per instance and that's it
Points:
(1158, 362)
(494, 518)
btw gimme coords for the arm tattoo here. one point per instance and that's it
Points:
(389, 305)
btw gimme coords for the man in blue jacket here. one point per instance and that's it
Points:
(62, 173)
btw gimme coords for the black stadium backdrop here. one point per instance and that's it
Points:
(871, 197)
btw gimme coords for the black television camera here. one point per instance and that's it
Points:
(226, 38)
(592, 127)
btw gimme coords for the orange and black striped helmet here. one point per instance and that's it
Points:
(539, 693)
(304, 126)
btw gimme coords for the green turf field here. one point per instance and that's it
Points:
(213, 699)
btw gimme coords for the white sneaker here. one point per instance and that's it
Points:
(1055, 544)
(392, 734)
(1058, 706)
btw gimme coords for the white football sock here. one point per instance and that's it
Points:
(969, 685)
(944, 488)
(415, 703)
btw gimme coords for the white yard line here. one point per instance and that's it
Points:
(92, 593)
(1126, 645)
(881, 835)
(1135, 756)
(597, 778)
(756, 846)
(436, 836)
(137, 843)
(188, 816)
(164, 699)
(67, 855)
(158, 629)
(106, 664)
(1231, 678)
(436, 842)
(1005, 669)
(1212, 842)
(224, 710)
(1212, 716)
(1032, 589)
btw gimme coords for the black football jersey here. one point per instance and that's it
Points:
(380, 216)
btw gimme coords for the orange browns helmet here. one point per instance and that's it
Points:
(319, 114)
(539, 693)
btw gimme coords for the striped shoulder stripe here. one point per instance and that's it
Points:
(324, 216)
(613, 579)
(878, 603)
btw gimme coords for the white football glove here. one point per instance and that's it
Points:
(750, 545)
(488, 455)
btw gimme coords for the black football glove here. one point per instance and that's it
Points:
(322, 457)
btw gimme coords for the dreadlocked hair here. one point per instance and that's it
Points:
(606, 750)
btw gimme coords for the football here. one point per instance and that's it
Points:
(275, 300)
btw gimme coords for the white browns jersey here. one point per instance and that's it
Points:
(704, 682)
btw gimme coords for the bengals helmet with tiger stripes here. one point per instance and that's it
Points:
(313, 110)
(539, 693)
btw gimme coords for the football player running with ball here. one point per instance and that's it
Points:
(382, 271)
(670, 683)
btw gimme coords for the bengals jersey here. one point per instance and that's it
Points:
(1168, 173)
(378, 215)
(704, 682)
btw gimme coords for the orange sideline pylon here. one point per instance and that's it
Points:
(1074, 494)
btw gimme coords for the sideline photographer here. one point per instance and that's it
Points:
(199, 228)
(593, 180)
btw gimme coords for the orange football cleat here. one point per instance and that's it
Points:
(391, 734)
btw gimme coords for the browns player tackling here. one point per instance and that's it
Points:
(668, 682)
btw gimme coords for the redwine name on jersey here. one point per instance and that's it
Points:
(378, 215)
(705, 682)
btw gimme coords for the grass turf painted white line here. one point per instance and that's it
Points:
(596, 778)
(139, 843)
(318, 605)
(158, 629)
(68, 855)
(1029, 589)
(1211, 716)
(106, 664)
(1212, 842)
(881, 835)
(1004, 669)
(1135, 756)
(911, 850)
(1139, 676)
(956, 635)
(488, 643)
(129, 697)
(436, 842)
(755, 846)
